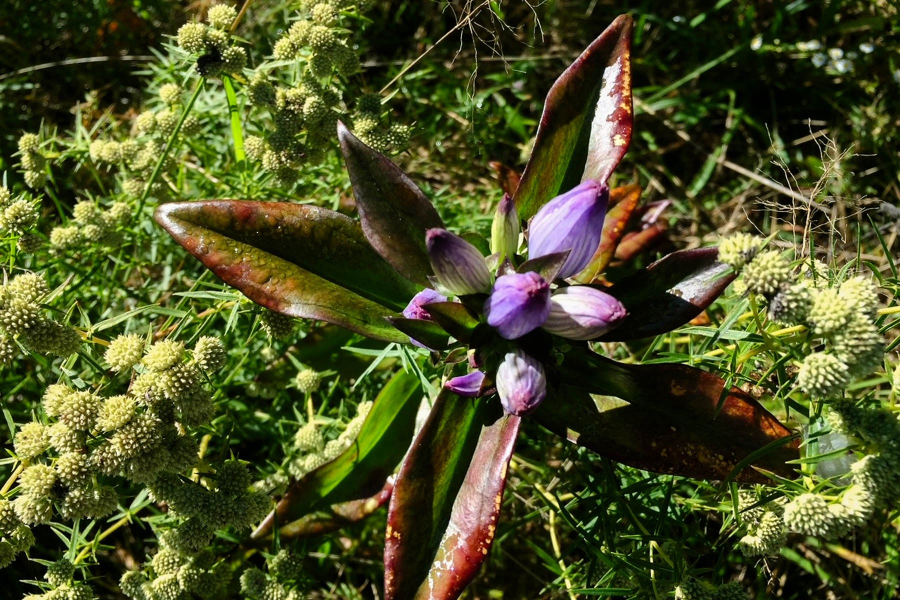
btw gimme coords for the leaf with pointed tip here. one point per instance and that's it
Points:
(618, 218)
(454, 318)
(427, 333)
(507, 177)
(585, 128)
(639, 242)
(669, 293)
(446, 502)
(546, 266)
(394, 212)
(664, 418)
(336, 517)
(362, 468)
(302, 261)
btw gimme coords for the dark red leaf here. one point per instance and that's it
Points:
(507, 177)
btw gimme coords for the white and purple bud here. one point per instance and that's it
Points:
(505, 229)
(573, 221)
(518, 304)
(521, 383)
(583, 313)
(467, 386)
(416, 307)
(457, 264)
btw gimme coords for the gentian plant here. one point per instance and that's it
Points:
(510, 322)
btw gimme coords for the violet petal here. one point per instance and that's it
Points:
(467, 386)
(521, 383)
(518, 304)
(458, 265)
(583, 313)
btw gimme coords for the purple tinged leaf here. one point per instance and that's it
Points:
(585, 128)
(458, 265)
(505, 229)
(521, 383)
(518, 304)
(583, 313)
(466, 386)
(572, 221)
(393, 211)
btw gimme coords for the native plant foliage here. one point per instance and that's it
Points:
(507, 325)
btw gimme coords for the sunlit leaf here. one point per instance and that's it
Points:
(336, 517)
(585, 128)
(394, 212)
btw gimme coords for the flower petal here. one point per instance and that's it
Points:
(518, 304)
(583, 313)
(521, 383)
(467, 386)
(457, 264)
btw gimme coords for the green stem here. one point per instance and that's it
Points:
(169, 144)
(237, 132)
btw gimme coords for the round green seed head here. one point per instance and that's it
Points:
(252, 582)
(29, 243)
(324, 14)
(232, 478)
(33, 162)
(209, 353)
(191, 126)
(860, 345)
(5, 196)
(278, 326)
(17, 315)
(192, 38)
(738, 249)
(79, 410)
(133, 187)
(116, 412)
(309, 439)
(130, 150)
(255, 147)
(118, 214)
(320, 38)
(370, 104)
(124, 352)
(167, 562)
(829, 312)
(8, 519)
(285, 48)
(321, 64)
(110, 153)
(8, 350)
(299, 32)
(38, 480)
(730, 591)
(60, 572)
(20, 216)
(823, 375)
(21, 538)
(307, 381)
(145, 123)
(234, 59)
(31, 287)
(35, 179)
(29, 142)
(766, 273)
(73, 469)
(166, 587)
(65, 439)
(164, 355)
(32, 440)
(132, 585)
(166, 121)
(260, 90)
(217, 41)
(809, 514)
(33, 510)
(691, 589)
(221, 16)
(86, 211)
(861, 294)
(62, 238)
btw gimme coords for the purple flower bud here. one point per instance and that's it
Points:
(416, 307)
(521, 383)
(457, 264)
(505, 229)
(573, 221)
(582, 313)
(519, 303)
(466, 386)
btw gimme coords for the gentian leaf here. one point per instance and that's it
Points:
(454, 318)
(585, 128)
(393, 211)
(298, 260)
(337, 516)
(547, 266)
(362, 469)
(664, 418)
(427, 333)
(669, 293)
(446, 502)
(622, 201)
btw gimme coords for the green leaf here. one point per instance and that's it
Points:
(669, 293)
(362, 469)
(623, 201)
(427, 333)
(336, 517)
(546, 266)
(394, 212)
(443, 514)
(665, 418)
(299, 260)
(586, 124)
(454, 318)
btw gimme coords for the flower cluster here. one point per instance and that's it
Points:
(175, 575)
(214, 43)
(91, 225)
(22, 321)
(277, 325)
(842, 316)
(314, 451)
(62, 586)
(15, 536)
(693, 589)
(18, 217)
(523, 298)
(32, 161)
(766, 532)
(284, 580)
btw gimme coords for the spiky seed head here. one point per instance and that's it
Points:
(132, 585)
(164, 355)
(738, 249)
(816, 273)
(809, 514)
(732, 590)
(65, 439)
(33, 162)
(117, 214)
(79, 410)
(32, 509)
(692, 589)
(255, 147)
(21, 538)
(31, 287)
(130, 150)
(166, 587)
(829, 312)
(217, 41)
(17, 315)
(766, 273)
(116, 412)
(260, 90)
(252, 582)
(209, 353)
(32, 440)
(320, 38)
(299, 32)
(859, 502)
(861, 294)
(73, 469)
(124, 352)
(29, 243)
(790, 306)
(62, 238)
(110, 153)
(321, 64)
(29, 142)
(823, 375)
(86, 211)
(50, 337)
(221, 16)
(5, 196)
(191, 37)
(60, 572)
(277, 325)
(234, 59)
(307, 381)
(166, 121)
(38, 480)
(286, 566)
(8, 519)
(860, 345)
(167, 562)
(8, 350)
(20, 216)
(285, 49)
(145, 123)
(191, 126)
(133, 186)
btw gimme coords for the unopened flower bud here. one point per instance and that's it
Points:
(521, 383)
(416, 307)
(457, 264)
(573, 221)
(518, 304)
(467, 386)
(583, 313)
(505, 229)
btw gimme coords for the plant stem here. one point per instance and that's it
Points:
(103, 535)
(12, 478)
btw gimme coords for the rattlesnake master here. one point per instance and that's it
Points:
(277, 325)
(31, 440)
(766, 273)
(809, 514)
(738, 249)
(823, 375)
(124, 352)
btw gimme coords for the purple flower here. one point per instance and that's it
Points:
(505, 229)
(457, 264)
(519, 303)
(416, 307)
(583, 313)
(573, 221)
(521, 383)
(467, 386)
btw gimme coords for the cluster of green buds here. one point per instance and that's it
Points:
(284, 581)
(22, 321)
(842, 316)
(277, 325)
(313, 449)
(694, 589)
(61, 585)
(15, 536)
(766, 532)
(214, 43)
(319, 41)
(91, 224)
(216, 501)
(32, 161)
(19, 215)
(368, 125)
(175, 575)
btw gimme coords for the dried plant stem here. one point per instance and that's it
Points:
(12, 478)
(103, 535)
